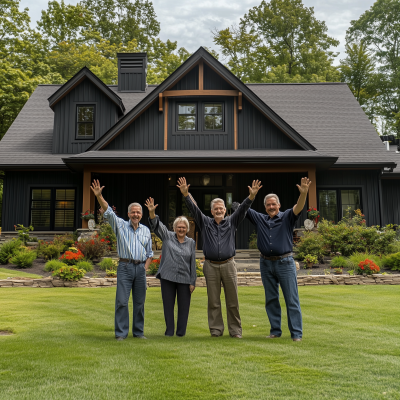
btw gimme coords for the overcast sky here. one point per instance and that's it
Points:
(190, 23)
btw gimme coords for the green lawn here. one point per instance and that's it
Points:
(5, 273)
(64, 348)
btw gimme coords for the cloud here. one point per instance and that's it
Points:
(190, 23)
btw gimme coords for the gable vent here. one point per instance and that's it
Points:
(132, 72)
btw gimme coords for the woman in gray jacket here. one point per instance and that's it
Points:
(177, 270)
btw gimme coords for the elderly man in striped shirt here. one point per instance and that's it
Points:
(134, 250)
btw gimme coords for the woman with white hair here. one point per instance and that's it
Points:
(177, 270)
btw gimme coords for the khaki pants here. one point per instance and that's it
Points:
(215, 274)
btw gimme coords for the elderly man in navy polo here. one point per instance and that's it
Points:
(135, 255)
(275, 242)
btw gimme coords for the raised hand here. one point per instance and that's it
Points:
(151, 207)
(304, 185)
(183, 186)
(253, 190)
(96, 188)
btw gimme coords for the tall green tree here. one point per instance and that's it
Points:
(379, 29)
(64, 22)
(293, 43)
(121, 21)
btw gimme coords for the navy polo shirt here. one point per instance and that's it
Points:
(274, 235)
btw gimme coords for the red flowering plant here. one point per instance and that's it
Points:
(367, 267)
(72, 256)
(153, 267)
(93, 248)
(313, 213)
(88, 214)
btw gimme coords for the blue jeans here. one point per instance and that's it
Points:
(130, 277)
(281, 272)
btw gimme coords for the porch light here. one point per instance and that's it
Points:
(206, 180)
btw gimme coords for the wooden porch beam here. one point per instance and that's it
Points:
(160, 102)
(201, 75)
(235, 130)
(312, 193)
(86, 200)
(240, 101)
(166, 125)
(179, 93)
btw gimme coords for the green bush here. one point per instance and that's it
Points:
(339, 262)
(108, 263)
(70, 273)
(356, 258)
(64, 241)
(199, 268)
(53, 265)
(392, 261)
(86, 265)
(50, 250)
(107, 233)
(24, 259)
(394, 247)
(310, 243)
(253, 241)
(8, 250)
(349, 239)
(93, 248)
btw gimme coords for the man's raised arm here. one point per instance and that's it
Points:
(190, 202)
(303, 189)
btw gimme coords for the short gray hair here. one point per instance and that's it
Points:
(181, 219)
(269, 196)
(217, 200)
(135, 205)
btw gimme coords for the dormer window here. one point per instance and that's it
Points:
(187, 117)
(213, 120)
(85, 121)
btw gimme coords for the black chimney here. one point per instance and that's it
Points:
(132, 72)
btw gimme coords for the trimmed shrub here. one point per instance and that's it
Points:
(356, 258)
(253, 241)
(24, 259)
(8, 250)
(310, 244)
(70, 273)
(86, 265)
(339, 262)
(108, 263)
(392, 261)
(49, 250)
(199, 268)
(53, 265)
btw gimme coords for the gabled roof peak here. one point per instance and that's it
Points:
(85, 73)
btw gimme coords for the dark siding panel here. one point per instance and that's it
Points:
(64, 141)
(283, 185)
(17, 191)
(201, 140)
(189, 82)
(124, 189)
(145, 133)
(367, 181)
(391, 201)
(255, 131)
(213, 81)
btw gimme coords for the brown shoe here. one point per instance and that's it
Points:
(214, 335)
(237, 336)
(272, 337)
(297, 339)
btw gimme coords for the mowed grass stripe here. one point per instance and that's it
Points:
(64, 348)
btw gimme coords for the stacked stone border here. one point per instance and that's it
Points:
(244, 279)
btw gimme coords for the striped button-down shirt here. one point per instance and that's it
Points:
(131, 244)
(178, 260)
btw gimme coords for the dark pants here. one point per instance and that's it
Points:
(130, 277)
(281, 272)
(170, 290)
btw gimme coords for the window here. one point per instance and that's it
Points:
(213, 117)
(52, 209)
(187, 117)
(85, 122)
(333, 203)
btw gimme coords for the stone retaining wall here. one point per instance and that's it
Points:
(244, 279)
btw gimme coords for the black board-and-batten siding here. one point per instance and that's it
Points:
(65, 111)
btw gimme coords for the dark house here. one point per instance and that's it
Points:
(203, 123)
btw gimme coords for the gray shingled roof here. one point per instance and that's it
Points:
(327, 115)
